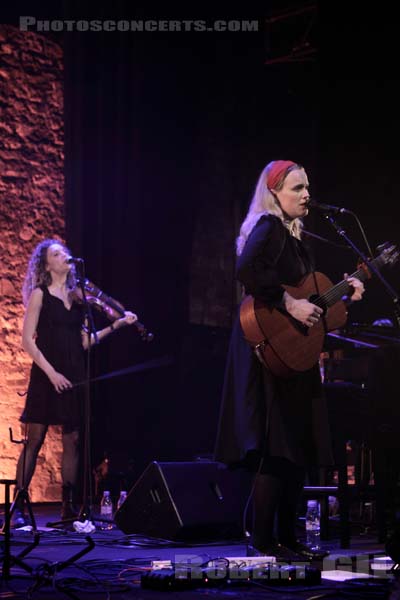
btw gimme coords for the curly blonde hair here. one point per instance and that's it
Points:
(36, 274)
(264, 202)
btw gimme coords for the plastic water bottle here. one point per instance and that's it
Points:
(121, 499)
(106, 510)
(313, 525)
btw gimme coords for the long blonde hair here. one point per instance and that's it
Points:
(36, 273)
(264, 202)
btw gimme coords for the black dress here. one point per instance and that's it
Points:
(261, 414)
(59, 340)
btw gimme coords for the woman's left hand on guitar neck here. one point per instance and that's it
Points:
(357, 286)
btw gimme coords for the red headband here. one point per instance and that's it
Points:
(276, 171)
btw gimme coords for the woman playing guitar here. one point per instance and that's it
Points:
(275, 425)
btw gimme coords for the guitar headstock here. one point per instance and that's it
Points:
(388, 253)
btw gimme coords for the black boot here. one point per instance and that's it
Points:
(266, 493)
(69, 509)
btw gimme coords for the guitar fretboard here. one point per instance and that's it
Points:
(335, 293)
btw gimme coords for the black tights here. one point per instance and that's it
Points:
(277, 489)
(36, 433)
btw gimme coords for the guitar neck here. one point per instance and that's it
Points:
(336, 293)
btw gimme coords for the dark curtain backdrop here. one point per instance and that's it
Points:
(165, 138)
(165, 135)
(359, 129)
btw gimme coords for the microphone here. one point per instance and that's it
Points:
(327, 208)
(72, 260)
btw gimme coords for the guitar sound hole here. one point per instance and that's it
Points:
(315, 299)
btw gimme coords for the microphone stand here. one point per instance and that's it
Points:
(392, 293)
(86, 510)
(87, 504)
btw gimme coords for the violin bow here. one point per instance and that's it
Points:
(164, 361)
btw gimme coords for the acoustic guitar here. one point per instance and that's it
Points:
(283, 344)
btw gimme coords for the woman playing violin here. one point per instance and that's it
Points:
(55, 337)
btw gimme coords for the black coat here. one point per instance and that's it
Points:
(262, 414)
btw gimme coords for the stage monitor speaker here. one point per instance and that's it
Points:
(201, 500)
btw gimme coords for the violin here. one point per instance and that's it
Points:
(111, 308)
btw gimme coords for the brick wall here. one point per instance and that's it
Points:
(31, 208)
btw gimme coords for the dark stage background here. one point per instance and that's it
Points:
(165, 137)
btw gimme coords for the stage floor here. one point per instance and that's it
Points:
(116, 562)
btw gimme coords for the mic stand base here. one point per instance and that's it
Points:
(85, 514)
